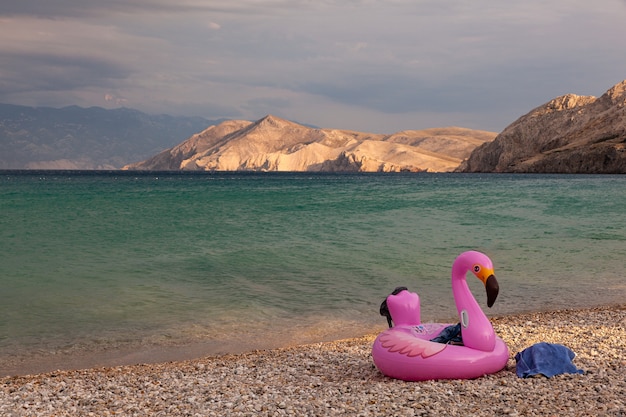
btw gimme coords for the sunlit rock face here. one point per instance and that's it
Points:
(570, 134)
(274, 144)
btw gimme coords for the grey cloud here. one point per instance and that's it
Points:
(395, 96)
(249, 57)
(84, 8)
(211, 109)
(41, 71)
(264, 105)
(517, 86)
(68, 8)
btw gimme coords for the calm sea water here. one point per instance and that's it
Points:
(107, 265)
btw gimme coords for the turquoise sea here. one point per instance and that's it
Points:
(101, 268)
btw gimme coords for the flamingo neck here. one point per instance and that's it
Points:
(476, 328)
(463, 297)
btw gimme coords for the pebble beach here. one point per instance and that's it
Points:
(339, 378)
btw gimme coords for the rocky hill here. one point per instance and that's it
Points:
(570, 134)
(86, 138)
(274, 144)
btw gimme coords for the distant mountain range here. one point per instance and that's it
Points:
(86, 138)
(569, 134)
(275, 144)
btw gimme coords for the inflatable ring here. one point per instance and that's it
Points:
(406, 350)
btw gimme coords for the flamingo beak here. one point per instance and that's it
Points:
(492, 287)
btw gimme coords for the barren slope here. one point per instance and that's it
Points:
(274, 144)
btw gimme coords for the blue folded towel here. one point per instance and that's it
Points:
(450, 335)
(548, 359)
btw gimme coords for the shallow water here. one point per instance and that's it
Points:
(106, 261)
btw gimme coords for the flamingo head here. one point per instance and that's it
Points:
(482, 268)
(480, 265)
(401, 307)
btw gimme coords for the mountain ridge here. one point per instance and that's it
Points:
(75, 137)
(275, 144)
(568, 134)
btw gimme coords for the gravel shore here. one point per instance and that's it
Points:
(339, 378)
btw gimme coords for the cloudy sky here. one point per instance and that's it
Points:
(369, 65)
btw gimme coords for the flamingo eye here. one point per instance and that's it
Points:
(476, 269)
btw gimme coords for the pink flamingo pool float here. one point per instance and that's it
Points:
(405, 351)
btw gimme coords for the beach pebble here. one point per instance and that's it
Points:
(338, 378)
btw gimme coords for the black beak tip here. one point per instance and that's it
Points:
(492, 287)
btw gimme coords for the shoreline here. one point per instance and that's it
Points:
(149, 354)
(72, 359)
(332, 378)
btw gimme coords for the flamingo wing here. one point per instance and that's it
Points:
(409, 345)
